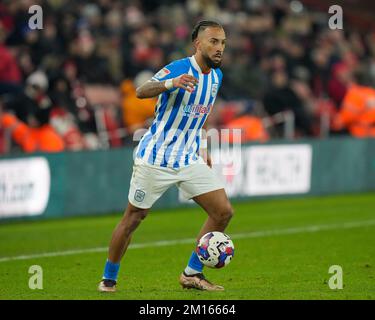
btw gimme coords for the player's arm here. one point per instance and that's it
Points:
(153, 88)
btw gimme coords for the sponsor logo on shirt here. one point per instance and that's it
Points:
(162, 73)
(196, 110)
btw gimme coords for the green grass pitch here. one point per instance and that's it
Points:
(283, 250)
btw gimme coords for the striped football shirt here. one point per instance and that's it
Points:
(173, 140)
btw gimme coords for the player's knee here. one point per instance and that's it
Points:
(225, 214)
(140, 214)
(229, 212)
(136, 215)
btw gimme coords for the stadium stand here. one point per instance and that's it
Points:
(281, 57)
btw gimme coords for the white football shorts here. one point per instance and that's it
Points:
(149, 182)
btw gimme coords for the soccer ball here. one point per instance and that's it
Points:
(215, 249)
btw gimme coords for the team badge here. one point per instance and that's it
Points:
(139, 195)
(162, 73)
(214, 90)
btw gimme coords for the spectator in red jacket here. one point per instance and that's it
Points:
(9, 70)
(338, 84)
(10, 75)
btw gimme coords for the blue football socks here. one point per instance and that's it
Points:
(194, 266)
(111, 270)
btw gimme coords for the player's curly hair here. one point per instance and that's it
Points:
(202, 25)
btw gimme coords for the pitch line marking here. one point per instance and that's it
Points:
(163, 243)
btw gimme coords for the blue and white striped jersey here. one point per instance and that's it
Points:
(173, 140)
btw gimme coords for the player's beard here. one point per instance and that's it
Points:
(210, 63)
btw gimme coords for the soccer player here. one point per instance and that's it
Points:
(169, 152)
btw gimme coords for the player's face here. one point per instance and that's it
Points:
(211, 44)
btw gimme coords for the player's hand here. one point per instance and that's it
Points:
(186, 82)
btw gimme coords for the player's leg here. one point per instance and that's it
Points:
(218, 208)
(207, 190)
(219, 211)
(146, 186)
(119, 243)
(122, 234)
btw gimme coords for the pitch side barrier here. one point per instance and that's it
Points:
(82, 183)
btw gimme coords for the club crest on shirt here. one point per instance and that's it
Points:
(139, 195)
(214, 89)
(162, 73)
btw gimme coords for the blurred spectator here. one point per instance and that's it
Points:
(10, 75)
(103, 102)
(137, 113)
(32, 106)
(252, 129)
(92, 68)
(29, 125)
(357, 112)
(320, 70)
(30, 139)
(338, 83)
(64, 114)
(64, 124)
(4, 140)
(281, 97)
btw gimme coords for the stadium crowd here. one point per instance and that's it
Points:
(71, 85)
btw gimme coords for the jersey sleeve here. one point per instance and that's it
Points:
(170, 71)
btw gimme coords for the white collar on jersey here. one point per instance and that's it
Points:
(196, 65)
